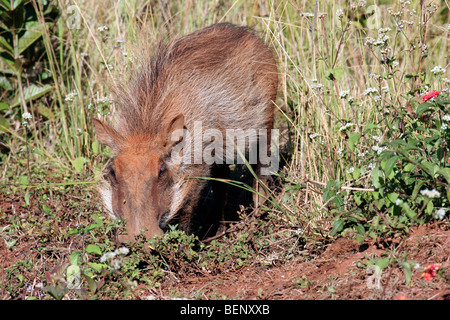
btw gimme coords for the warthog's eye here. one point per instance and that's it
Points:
(112, 174)
(162, 170)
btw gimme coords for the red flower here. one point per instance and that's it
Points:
(430, 95)
(430, 271)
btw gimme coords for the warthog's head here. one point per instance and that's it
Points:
(142, 176)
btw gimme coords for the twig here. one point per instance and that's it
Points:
(217, 236)
(387, 282)
(343, 187)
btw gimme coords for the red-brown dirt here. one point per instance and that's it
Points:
(340, 272)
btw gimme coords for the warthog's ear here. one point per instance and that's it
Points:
(175, 131)
(107, 135)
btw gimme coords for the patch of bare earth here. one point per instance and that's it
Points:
(341, 271)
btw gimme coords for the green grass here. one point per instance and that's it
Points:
(326, 187)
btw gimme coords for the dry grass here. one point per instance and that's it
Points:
(321, 53)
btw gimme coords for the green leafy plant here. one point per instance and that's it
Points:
(21, 44)
(410, 174)
(413, 177)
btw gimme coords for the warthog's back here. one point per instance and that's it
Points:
(222, 75)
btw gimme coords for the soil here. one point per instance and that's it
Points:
(339, 272)
(343, 269)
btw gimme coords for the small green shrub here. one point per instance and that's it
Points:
(409, 170)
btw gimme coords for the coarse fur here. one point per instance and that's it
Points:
(222, 76)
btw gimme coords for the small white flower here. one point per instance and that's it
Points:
(446, 117)
(440, 214)
(313, 135)
(113, 258)
(350, 170)
(123, 251)
(343, 94)
(430, 193)
(107, 256)
(382, 40)
(394, 14)
(115, 264)
(374, 76)
(340, 151)
(398, 201)
(438, 70)
(102, 28)
(383, 30)
(386, 51)
(378, 149)
(317, 87)
(347, 125)
(369, 41)
(370, 90)
(376, 138)
(339, 13)
(39, 285)
(70, 96)
(103, 100)
(444, 126)
(132, 284)
(27, 116)
(409, 23)
(371, 166)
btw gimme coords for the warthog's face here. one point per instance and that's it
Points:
(142, 178)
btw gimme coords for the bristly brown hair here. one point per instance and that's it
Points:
(224, 78)
(164, 82)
